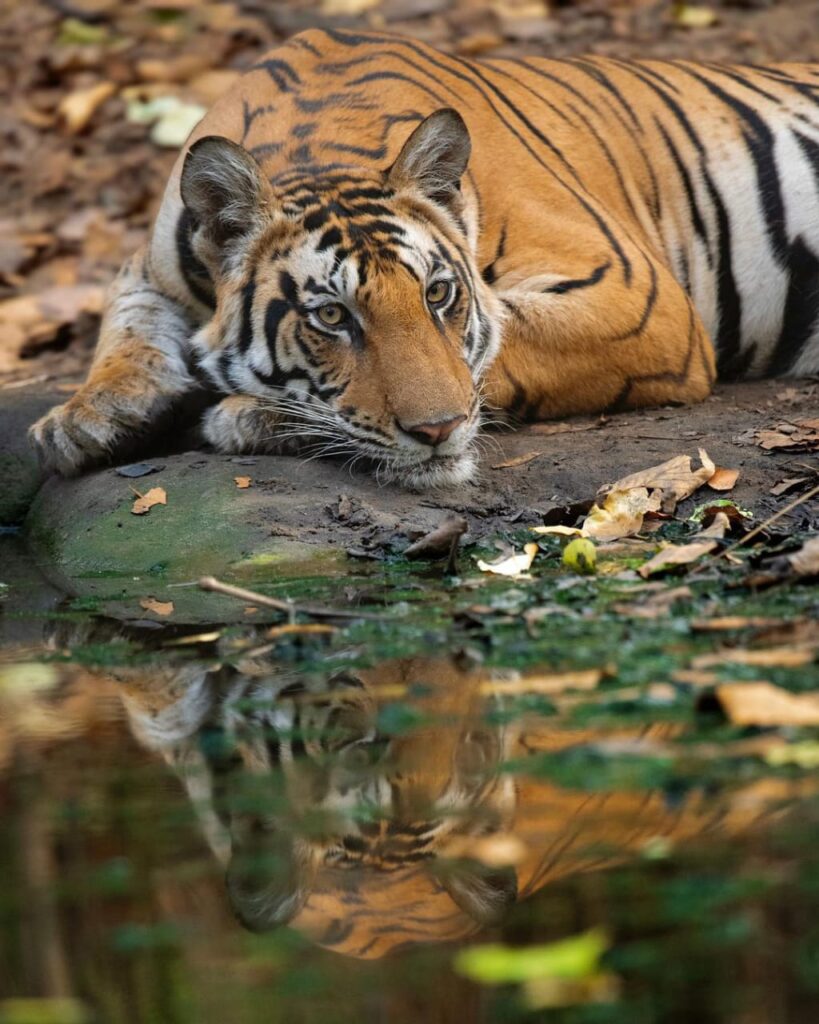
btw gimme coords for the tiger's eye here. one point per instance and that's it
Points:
(332, 314)
(438, 292)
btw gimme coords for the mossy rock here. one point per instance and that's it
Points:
(84, 534)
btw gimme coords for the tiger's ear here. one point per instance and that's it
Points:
(485, 893)
(434, 157)
(268, 881)
(223, 188)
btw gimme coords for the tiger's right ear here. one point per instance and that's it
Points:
(223, 188)
(434, 157)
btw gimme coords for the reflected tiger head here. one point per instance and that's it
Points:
(349, 301)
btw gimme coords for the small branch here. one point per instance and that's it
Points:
(288, 607)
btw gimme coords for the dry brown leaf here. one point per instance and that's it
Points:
(548, 429)
(559, 531)
(805, 561)
(675, 555)
(675, 478)
(242, 482)
(767, 657)
(512, 565)
(723, 479)
(788, 485)
(656, 606)
(519, 460)
(621, 514)
(728, 622)
(77, 108)
(439, 542)
(546, 683)
(145, 502)
(250, 609)
(717, 528)
(766, 705)
(150, 604)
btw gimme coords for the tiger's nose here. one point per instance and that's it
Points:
(432, 433)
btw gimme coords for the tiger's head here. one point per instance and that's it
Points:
(349, 300)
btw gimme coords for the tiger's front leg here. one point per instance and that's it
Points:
(139, 369)
(591, 342)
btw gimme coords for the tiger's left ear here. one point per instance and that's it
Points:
(434, 157)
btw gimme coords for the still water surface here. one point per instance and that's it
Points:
(212, 825)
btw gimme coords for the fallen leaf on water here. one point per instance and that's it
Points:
(723, 479)
(768, 657)
(544, 683)
(145, 502)
(676, 555)
(574, 958)
(764, 704)
(519, 460)
(728, 622)
(621, 514)
(656, 606)
(300, 629)
(242, 482)
(250, 609)
(150, 604)
(805, 561)
(804, 755)
(512, 565)
(439, 543)
(77, 108)
(675, 478)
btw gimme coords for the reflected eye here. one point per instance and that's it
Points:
(332, 314)
(438, 293)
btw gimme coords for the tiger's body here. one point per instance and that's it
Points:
(620, 234)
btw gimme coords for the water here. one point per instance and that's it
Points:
(213, 824)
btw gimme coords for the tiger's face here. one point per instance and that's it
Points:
(349, 302)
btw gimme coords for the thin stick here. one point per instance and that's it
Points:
(762, 526)
(288, 607)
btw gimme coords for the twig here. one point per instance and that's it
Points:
(288, 607)
(758, 529)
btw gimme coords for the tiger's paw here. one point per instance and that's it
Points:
(240, 424)
(72, 437)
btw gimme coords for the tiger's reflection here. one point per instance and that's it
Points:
(371, 810)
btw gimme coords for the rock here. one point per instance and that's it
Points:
(20, 475)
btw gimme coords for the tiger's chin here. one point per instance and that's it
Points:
(437, 471)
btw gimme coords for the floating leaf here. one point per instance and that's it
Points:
(150, 604)
(571, 959)
(145, 502)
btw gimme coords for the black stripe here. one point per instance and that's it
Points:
(571, 285)
(801, 314)
(194, 272)
(246, 328)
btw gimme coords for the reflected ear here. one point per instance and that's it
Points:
(485, 893)
(269, 884)
(223, 188)
(434, 157)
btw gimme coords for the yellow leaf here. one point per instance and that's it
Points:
(559, 531)
(145, 502)
(513, 565)
(621, 514)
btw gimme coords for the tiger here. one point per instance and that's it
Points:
(367, 245)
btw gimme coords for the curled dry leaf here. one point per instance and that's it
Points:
(723, 479)
(621, 514)
(145, 502)
(242, 482)
(77, 108)
(675, 478)
(150, 604)
(439, 542)
(766, 705)
(675, 555)
(512, 565)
